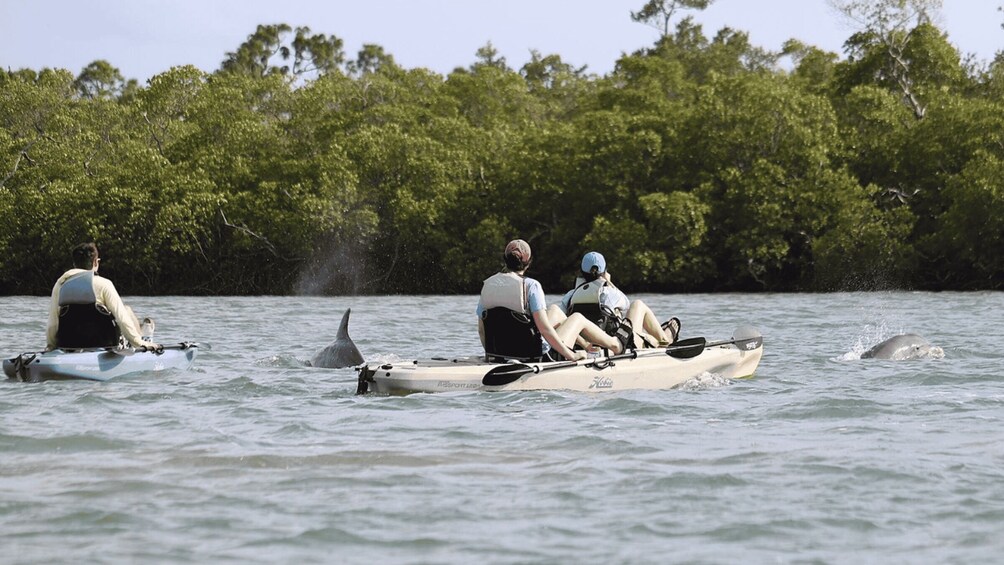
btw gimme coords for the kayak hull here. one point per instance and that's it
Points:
(649, 369)
(94, 364)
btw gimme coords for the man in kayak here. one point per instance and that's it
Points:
(513, 319)
(599, 300)
(86, 310)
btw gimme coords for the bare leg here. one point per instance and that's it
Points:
(576, 325)
(556, 315)
(645, 323)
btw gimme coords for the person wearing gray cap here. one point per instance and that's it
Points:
(513, 320)
(599, 300)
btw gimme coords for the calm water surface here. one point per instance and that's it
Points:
(253, 457)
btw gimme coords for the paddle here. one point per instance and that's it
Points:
(506, 374)
(128, 351)
(745, 337)
(687, 348)
(182, 346)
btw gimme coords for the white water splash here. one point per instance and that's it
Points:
(705, 381)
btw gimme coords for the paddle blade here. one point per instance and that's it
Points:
(687, 348)
(505, 374)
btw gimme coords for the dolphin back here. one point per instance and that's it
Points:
(902, 347)
(342, 352)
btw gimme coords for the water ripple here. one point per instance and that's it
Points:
(253, 457)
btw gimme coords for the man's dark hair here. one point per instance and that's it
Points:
(84, 255)
(515, 264)
(592, 275)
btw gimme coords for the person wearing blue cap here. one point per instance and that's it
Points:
(599, 300)
(513, 319)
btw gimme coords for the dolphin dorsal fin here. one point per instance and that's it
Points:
(343, 328)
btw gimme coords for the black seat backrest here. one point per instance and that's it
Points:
(591, 312)
(86, 325)
(510, 334)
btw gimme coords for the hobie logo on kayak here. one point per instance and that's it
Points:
(602, 382)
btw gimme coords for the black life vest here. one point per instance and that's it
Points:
(82, 321)
(510, 331)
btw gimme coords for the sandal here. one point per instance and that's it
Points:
(672, 327)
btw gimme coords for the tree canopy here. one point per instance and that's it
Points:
(700, 163)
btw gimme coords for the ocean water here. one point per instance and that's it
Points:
(252, 457)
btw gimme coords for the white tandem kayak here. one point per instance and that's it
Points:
(660, 368)
(99, 364)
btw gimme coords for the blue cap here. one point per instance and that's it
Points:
(593, 259)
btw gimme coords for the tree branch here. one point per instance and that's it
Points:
(153, 134)
(902, 75)
(246, 231)
(17, 162)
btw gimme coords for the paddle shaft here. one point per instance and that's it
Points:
(506, 374)
(182, 346)
(125, 352)
(684, 349)
(693, 347)
(758, 340)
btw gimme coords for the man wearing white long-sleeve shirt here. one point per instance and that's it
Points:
(86, 310)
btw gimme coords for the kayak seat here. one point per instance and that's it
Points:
(625, 335)
(86, 325)
(510, 334)
(590, 311)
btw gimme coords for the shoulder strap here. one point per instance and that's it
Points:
(523, 298)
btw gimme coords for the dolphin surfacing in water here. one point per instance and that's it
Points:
(903, 347)
(342, 352)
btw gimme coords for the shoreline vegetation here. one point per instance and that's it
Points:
(702, 163)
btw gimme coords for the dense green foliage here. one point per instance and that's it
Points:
(699, 164)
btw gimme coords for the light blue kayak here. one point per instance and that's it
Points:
(98, 364)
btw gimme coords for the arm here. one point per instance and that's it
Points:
(53, 324)
(617, 301)
(481, 324)
(108, 296)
